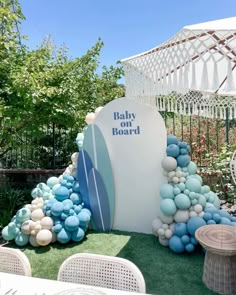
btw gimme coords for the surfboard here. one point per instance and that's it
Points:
(99, 202)
(95, 146)
(84, 166)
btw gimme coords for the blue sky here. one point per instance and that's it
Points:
(127, 27)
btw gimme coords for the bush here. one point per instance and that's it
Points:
(219, 165)
(10, 201)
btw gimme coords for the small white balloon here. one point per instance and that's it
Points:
(90, 117)
(198, 208)
(165, 226)
(192, 214)
(163, 241)
(175, 179)
(182, 179)
(171, 174)
(178, 173)
(201, 214)
(168, 233)
(161, 232)
(74, 157)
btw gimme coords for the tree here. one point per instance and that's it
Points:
(44, 87)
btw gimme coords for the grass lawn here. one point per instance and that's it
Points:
(165, 273)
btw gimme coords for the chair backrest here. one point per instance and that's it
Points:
(102, 271)
(14, 261)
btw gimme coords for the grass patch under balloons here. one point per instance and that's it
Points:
(165, 272)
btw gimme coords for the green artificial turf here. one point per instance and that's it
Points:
(165, 272)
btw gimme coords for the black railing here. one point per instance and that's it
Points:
(51, 147)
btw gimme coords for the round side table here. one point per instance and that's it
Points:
(219, 272)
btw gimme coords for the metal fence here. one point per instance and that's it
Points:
(51, 146)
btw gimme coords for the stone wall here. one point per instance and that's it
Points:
(25, 178)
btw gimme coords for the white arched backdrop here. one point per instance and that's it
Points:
(135, 136)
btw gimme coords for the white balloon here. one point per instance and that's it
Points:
(161, 232)
(171, 174)
(156, 224)
(201, 214)
(198, 208)
(163, 241)
(181, 216)
(168, 233)
(166, 219)
(192, 214)
(179, 173)
(165, 226)
(169, 163)
(175, 179)
(90, 117)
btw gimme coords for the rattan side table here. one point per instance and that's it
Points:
(219, 272)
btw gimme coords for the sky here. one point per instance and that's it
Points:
(127, 27)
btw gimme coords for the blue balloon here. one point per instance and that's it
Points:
(172, 150)
(216, 217)
(176, 244)
(172, 139)
(225, 220)
(77, 235)
(189, 247)
(185, 239)
(61, 193)
(211, 221)
(72, 223)
(194, 223)
(183, 160)
(75, 187)
(57, 208)
(207, 216)
(63, 236)
(224, 213)
(180, 229)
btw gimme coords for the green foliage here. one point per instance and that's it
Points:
(44, 86)
(10, 201)
(219, 165)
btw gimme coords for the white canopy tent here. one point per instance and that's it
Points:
(192, 73)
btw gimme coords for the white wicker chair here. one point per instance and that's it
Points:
(102, 271)
(14, 261)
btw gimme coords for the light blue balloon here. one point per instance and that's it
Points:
(182, 201)
(192, 168)
(193, 185)
(166, 191)
(52, 181)
(168, 207)
(21, 239)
